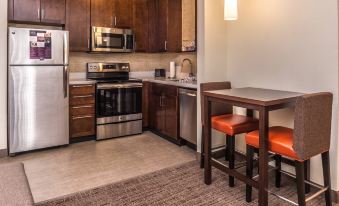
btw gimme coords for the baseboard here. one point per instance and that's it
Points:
(220, 153)
(3, 153)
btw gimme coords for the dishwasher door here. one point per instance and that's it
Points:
(188, 115)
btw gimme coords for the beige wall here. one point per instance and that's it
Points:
(138, 61)
(3, 76)
(211, 51)
(283, 44)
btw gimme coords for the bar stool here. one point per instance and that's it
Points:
(224, 121)
(310, 137)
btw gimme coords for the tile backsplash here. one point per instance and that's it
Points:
(139, 61)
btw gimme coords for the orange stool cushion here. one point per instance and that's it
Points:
(280, 141)
(233, 124)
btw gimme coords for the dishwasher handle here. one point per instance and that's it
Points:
(191, 94)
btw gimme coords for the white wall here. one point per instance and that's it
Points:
(280, 44)
(3, 76)
(211, 40)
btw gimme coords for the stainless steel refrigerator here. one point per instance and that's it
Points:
(37, 89)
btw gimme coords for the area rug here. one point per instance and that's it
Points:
(179, 185)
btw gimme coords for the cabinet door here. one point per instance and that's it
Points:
(78, 24)
(171, 117)
(162, 25)
(26, 10)
(82, 125)
(140, 25)
(157, 113)
(102, 13)
(174, 26)
(123, 13)
(146, 88)
(10, 10)
(53, 11)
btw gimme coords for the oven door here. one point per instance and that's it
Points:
(119, 99)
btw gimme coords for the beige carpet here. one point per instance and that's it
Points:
(179, 185)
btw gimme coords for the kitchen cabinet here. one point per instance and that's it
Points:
(53, 11)
(111, 13)
(38, 11)
(145, 25)
(82, 111)
(10, 10)
(176, 25)
(146, 88)
(164, 117)
(78, 24)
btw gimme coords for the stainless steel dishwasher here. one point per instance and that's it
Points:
(188, 115)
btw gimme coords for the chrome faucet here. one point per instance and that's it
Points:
(191, 65)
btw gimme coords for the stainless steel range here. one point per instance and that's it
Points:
(118, 100)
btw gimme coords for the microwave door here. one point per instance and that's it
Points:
(28, 46)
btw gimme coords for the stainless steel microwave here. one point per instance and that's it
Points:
(111, 40)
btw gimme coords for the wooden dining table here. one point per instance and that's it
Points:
(256, 99)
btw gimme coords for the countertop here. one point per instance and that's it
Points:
(189, 85)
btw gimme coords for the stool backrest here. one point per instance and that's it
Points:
(217, 108)
(312, 125)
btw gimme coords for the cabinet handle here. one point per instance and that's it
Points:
(88, 43)
(38, 14)
(82, 117)
(165, 45)
(161, 101)
(115, 21)
(85, 96)
(82, 86)
(81, 107)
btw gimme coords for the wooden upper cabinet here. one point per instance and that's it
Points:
(38, 11)
(53, 11)
(26, 10)
(140, 25)
(162, 25)
(78, 24)
(111, 13)
(123, 13)
(102, 13)
(10, 10)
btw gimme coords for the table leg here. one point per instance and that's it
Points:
(207, 142)
(263, 156)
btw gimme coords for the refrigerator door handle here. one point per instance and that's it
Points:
(65, 83)
(66, 48)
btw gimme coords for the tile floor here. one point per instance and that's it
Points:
(58, 172)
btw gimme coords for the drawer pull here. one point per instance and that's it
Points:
(82, 117)
(81, 107)
(84, 96)
(82, 86)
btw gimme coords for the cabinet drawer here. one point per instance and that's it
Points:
(170, 90)
(82, 110)
(164, 90)
(82, 125)
(82, 89)
(82, 100)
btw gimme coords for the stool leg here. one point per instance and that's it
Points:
(299, 168)
(227, 149)
(277, 171)
(202, 149)
(249, 170)
(307, 175)
(327, 177)
(231, 151)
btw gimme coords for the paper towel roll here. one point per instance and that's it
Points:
(172, 69)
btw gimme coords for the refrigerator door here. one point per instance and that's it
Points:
(38, 107)
(37, 47)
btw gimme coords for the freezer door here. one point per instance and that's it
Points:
(38, 107)
(37, 47)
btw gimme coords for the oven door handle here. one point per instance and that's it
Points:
(119, 86)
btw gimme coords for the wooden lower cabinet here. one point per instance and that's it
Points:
(164, 113)
(82, 111)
